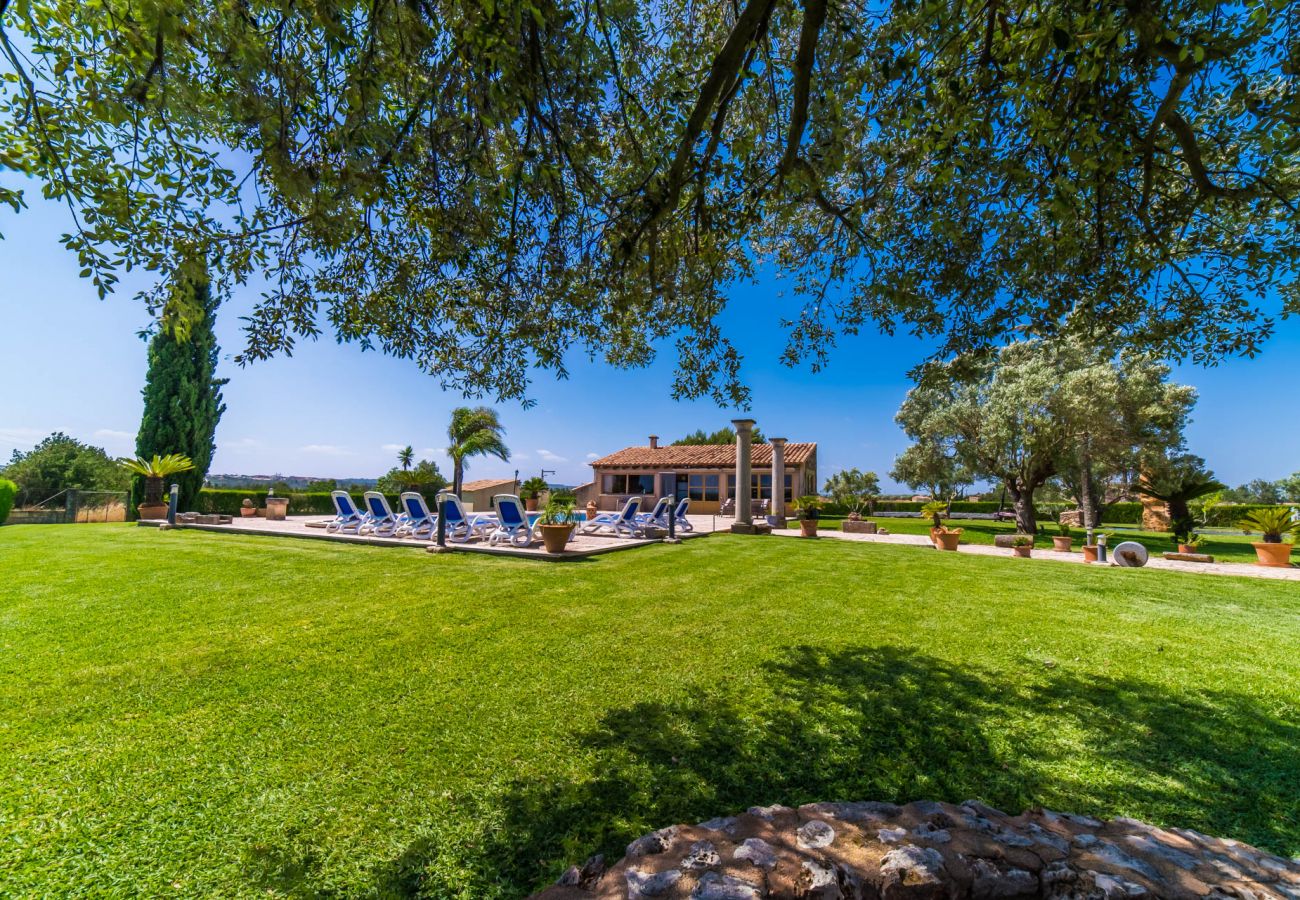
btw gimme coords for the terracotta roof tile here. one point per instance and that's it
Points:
(485, 483)
(699, 456)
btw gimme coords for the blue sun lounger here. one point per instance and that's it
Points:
(512, 525)
(347, 518)
(462, 526)
(419, 521)
(380, 520)
(621, 524)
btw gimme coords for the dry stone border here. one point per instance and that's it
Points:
(927, 851)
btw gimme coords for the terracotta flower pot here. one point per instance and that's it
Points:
(947, 540)
(1275, 555)
(1183, 548)
(808, 527)
(152, 510)
(530, 504)
(1089, 553)
(247, 512)
(1023, 552)
(1061, 543)
(554, 537)
(934, 535)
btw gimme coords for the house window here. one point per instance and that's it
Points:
(628, 484)
(760, 486)
(703, 487)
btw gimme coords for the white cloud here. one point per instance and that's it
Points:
(515, 457)
(326, 450)
(21, 437)
(432, 451)
(393, 448)
(548, 456)
(114, 435)
(593, 456)
(244, 443)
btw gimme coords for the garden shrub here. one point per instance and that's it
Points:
(8, 490)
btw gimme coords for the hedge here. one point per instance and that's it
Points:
(8, 490)
(229, 500)
(1044, 510)
(1229, 514)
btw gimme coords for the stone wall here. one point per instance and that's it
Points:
(927, 851)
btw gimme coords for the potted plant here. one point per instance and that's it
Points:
(1023, 546)
(153, 471)
(1063, 540)
(556, 523)
(1090, 550)
(247, 509)
(532, 489)
(934, 511)
(1188, 543)
(1272, 524)
(807, 509)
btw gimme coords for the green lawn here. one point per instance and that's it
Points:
(193, 714)
(1223, 547)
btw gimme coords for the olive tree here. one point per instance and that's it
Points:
(486, 188)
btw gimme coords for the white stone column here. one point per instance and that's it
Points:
(744, 490)
(778, 477)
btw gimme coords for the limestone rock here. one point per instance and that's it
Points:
(928, 851)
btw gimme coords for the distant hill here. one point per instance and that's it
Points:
(295, 482)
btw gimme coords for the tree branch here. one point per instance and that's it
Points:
(666, 192)
(814, 16)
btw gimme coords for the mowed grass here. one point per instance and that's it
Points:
(1234, 548)
(193, 714)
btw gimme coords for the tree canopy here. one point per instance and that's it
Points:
(60, 462)
(724, 435)
(485, 188)
(474, 431)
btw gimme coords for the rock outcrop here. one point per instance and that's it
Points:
(927, 851)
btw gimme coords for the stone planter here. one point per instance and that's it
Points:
(858, 526)
(554, 537)
(1276, 556)
(808, 527)
(1089, 553)
(1061, 544)
(276, 508)
(248, 512)
(947, 540)
(1023, 552)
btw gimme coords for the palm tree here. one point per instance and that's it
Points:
(406, 456)
(473, 432)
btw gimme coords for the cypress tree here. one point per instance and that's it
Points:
(182, 395)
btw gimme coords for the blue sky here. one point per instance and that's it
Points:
(73, 363)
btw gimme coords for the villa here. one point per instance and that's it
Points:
(477, 495)
(704, 472)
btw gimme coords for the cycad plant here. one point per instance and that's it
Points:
(1271, 523)
(154, 470)
(1178, 482)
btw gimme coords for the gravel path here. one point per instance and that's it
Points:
(917, 540)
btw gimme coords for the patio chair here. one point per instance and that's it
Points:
(512, 525)
(462, 526)
(418, 520)
(380, 520)
(347, 518)
(619, 524)
(728, 507)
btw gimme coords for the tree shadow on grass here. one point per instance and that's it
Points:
(883, 724)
